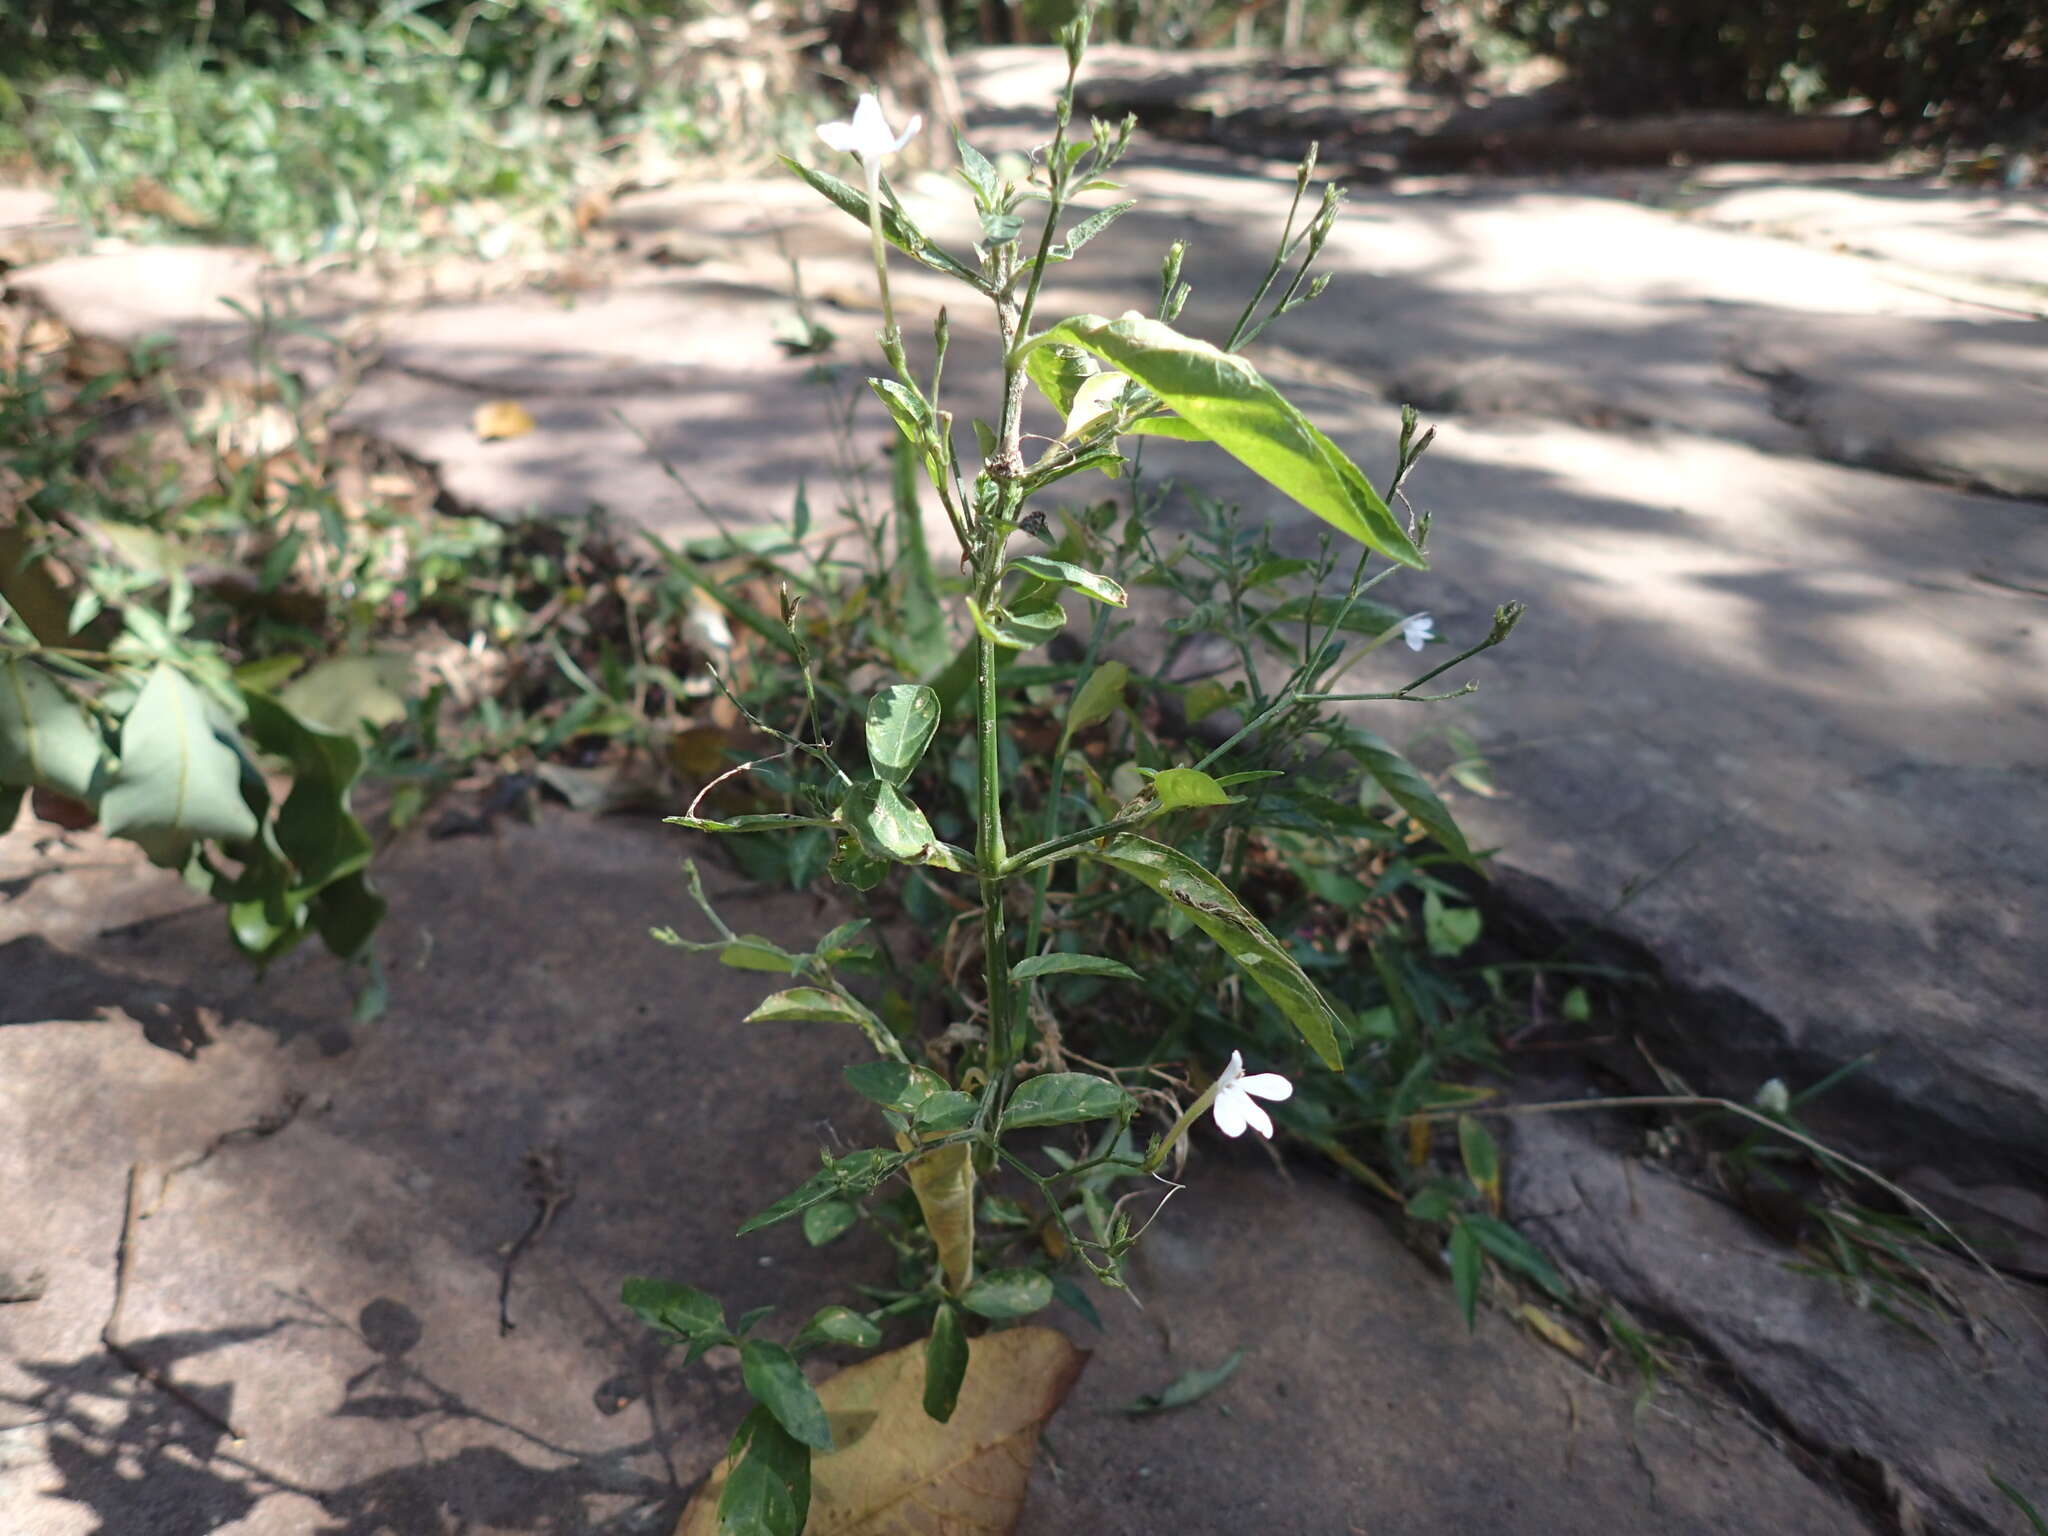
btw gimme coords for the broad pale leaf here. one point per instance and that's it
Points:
(177, 777)
(895, 1465)
(47, 741)
(1072, 965)
(1099, 587)
(1210, 906)
(1064, 1098)
(1097, 699)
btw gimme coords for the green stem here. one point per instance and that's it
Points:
(892, 337)
(1052, 847)
(990, 857)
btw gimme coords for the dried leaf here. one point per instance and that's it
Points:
(497, 419)
(897, 1471)
(1550, 1330)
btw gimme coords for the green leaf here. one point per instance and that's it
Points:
(771, 823)
(829, 1221)
(751, 952)
(769, 1491)
(894, 1085)
(1518, 1253)
(1098, 698)
(11, 797)
(850, 866)
(1181, 787)
(47, 740)
(680, 1309)
(1059, 371)
(808, 1005)
(777, 1382)
(896, 229)
(943, 1112)
(1407, 789)
(857, 1173)
(977, 172)
(1000, 228)
(1450, 930)
(945, 1363)
(1361, 617)
(839, 1325)
(1210, 906)
(177, 777)
(1018, 629)
(1465, 1267)
(1086, 230)
(887, 824)
(349, 693)
(1007, 1293)
(1222, 396)
(315, 827)
(1101, 588)
(1072, 965)
(1481, 1155)
(1432, 1205)
(1190, 1388)
(902, 720)
(346, 914)
(1064, 1098)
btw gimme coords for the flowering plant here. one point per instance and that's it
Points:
(976, 1104)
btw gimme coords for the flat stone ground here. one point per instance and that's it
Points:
(1762, 450)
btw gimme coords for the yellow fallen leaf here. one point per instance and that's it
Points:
(496, 419)
(896, 1472)
(1551, 1331)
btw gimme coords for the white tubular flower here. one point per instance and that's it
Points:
(1418, 631)
(868, 134)
(1235, 1105)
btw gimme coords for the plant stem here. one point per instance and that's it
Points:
(990, 856)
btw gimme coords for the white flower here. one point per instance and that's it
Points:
(1234, 1106)
(1418, 631)
(868, 134)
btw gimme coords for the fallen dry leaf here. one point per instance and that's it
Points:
(899, 1473)
(496, 419)
(1551, 1331)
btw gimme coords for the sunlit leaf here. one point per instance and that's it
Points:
(1099, 697)
(47, 740)
(1210, 906)
(1222, 396)
(1101, 588)
(1180, 788)
(177, 777)
(1008, 1293)
(901, 722)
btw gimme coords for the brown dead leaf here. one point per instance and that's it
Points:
(498, 419)
(148, 195)
(899, 1473)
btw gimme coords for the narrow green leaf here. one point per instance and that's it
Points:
(1518, 1253)
(1361, 617)
(945, 1363)
(751, 952)
(1088, 229)
(829, 1221)
(177, 776)
(777, 1382)
(1192, 1387)
(47, 740)
(1210, 906)
(808, 1005)
(769, 1491)
(1465, 1269)
(1407, 789)
(978, 173)
(902, 719)
(1481, 1155)
(857, 1173)
(1178, 788)
(1224, 397)
(1101, 588)
(1072, 965)
(771, 823)
(1064, 1098)
(680, 1309)
(896, 229)
(1098, 698)
(1007, 1293)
